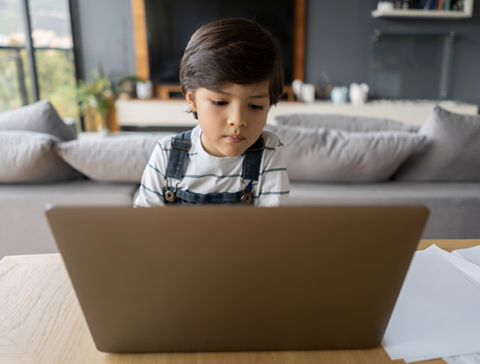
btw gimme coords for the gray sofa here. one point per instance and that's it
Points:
(454, 205)
(23, 226)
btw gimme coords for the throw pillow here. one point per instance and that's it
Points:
(352, 123)
(30, 157)
(451, 152)
(40, 117)
(113, 159)
(329, 155)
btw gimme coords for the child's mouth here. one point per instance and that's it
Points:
(235, 138)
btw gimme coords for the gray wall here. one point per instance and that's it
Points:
(338, 42)
(106, 37)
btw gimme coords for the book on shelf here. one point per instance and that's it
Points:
(425, 4)
(436, 4)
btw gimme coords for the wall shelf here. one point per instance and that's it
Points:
(431, 14)
(418, 13)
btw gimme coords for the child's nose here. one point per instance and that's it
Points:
(237, 118)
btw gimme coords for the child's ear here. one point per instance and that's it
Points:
(190, 97)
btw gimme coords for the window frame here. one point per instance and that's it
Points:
(30, 48)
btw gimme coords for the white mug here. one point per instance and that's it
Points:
(308, 93)
(339, 94)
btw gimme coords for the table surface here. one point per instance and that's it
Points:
(41, 322)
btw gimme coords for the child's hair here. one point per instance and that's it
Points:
(232, 50)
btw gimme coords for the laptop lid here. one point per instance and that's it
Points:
(199, 279)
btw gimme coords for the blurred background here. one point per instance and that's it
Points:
(403, 50)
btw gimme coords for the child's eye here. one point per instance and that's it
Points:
(256, 107)
(219, 103)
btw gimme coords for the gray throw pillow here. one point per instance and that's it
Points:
(112, 159)
(40, 117)
(30, 157)
(329, 155)
(451, 151)
(352, 123)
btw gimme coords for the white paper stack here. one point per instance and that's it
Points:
(437, 314)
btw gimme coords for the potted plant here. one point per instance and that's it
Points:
(95, 97)
(126, 87)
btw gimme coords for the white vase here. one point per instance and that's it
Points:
(144, 90)
(358, 93)
(385, 6)
(297, 88)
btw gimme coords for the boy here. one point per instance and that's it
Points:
(231, 73)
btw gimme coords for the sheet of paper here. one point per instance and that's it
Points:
(453, 360)
(469, 269)
(463, 359)
(470, 254)
(437, 313)
(473, 272)
(457, 359)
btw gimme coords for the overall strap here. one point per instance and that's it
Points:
(181, 145)
(186, 197)
(253, 159)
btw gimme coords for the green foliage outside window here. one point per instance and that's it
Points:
(56, 80)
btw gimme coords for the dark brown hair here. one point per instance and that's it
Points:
(232, 50)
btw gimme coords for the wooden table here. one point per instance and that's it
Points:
(41, 322)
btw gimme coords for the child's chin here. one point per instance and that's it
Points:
(231, 152)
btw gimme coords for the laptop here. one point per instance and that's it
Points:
(206, 279)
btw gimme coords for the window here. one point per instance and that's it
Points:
(42, 65)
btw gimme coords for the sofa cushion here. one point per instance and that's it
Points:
(451, 151)
(117, 159)
(329, 155)
(40, 117)
(352, 123)
(30, 157)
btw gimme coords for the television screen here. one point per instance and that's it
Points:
(170, 24)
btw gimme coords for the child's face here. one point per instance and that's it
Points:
(232, 118)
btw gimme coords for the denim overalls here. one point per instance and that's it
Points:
(181, 145)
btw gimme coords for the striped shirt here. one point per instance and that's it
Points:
(208, 174)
